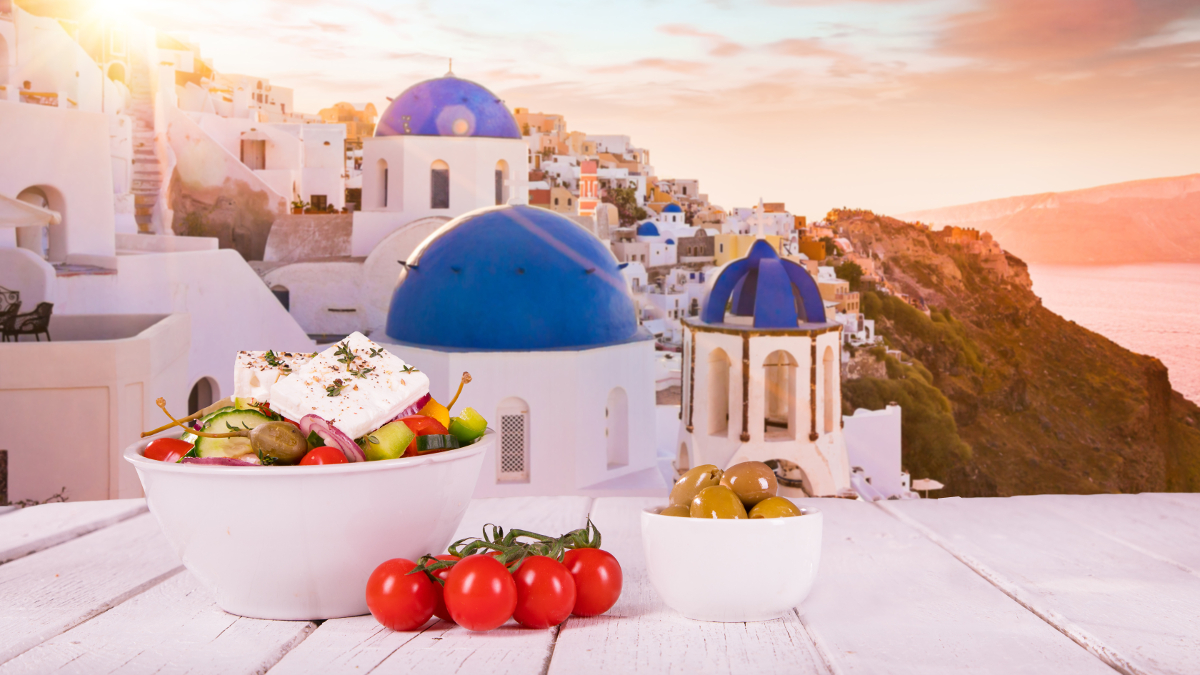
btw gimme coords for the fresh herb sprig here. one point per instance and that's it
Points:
(409, 369)
(361, 372)
(346, 354)
(335, 388)
(273, 361)
(375, 353)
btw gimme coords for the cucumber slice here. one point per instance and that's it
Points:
(387, 442)
(224, 421)
(468, 426)
(437, 442)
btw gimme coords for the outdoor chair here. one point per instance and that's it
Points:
(34, 323)
(8, 317)
(8, 299)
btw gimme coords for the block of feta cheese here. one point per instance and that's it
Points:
(255, 372)
(356, 385)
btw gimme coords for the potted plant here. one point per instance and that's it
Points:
(298, 206)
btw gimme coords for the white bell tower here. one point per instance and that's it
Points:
(762, 381)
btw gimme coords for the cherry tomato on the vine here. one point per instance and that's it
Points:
(480, 593)
(324, 454)
(597, 576)
(399, 600)
(167, 449)
(439, 610)
(545, 592)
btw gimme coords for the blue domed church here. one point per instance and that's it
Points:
(762, 377)
(534, 306)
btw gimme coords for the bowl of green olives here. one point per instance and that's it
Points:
(742, 522)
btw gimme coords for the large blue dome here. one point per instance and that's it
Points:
(672, 208)
(647, 229)
(512, 278)
(778, 293)
(447, 106)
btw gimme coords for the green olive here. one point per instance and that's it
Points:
(675, 510)
(717, 501)
(280, 441)
(751, 481)
(692, 482)
(775, 507)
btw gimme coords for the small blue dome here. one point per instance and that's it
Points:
(647, 229)
(512, 278)
(447, 106)
(670, 241)
(778, 293)
(672, 208)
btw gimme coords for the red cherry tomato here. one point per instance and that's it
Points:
(167, 449)
(324, 455)
(439, 610)
(545, 592)
(399, 600)
(480, 593)
(421, 425)
(597, 577)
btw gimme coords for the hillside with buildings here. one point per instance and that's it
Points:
(1145, 221)
(1002, 396)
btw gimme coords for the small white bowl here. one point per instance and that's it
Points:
(732, 570)
(298, 542)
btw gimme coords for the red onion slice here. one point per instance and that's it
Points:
(333, 436)
(217, 461)
(414, 408)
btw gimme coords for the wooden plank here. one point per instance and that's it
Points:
(44, 594)
(641, 635)
(26, 531)
(888, 600)
(174, 626)
(1081, 564)
(359, 644)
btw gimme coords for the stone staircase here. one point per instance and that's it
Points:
(147, 172)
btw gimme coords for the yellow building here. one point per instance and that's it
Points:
(730, 247)
(815, 250)
(359, 120)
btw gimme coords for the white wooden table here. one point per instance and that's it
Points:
(1050, 584)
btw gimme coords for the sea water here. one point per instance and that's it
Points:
(1149, 309)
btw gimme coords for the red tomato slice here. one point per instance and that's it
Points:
(480, 593)
(399, 600)
(324, 455)
(545, 592)
(421, 425)
(597, 577)
(167, 449)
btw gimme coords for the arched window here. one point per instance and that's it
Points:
(116, 72)
(718, 392)
(831, 405)
(439, 185)
(501, 182)
(283, 295)
(682, 464)
(779, 396)
(204, 393)
(512, 461)
(616, 428)
(34, 238)
(382, 201)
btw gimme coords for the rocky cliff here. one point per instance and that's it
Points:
(1156, 220)
(1002, 396)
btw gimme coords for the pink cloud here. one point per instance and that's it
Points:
(719, 45)
(671, 65)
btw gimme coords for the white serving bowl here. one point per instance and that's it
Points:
(732, 570)
(299, 542)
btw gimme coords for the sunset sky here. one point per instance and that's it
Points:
(891, 105)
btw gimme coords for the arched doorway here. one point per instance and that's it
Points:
(116, 72)
(719, 366)
(37, 238)
(512, 458)
(204, 393)
(283, 295)
(779, 395)
(831, 405)
(616, 428)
